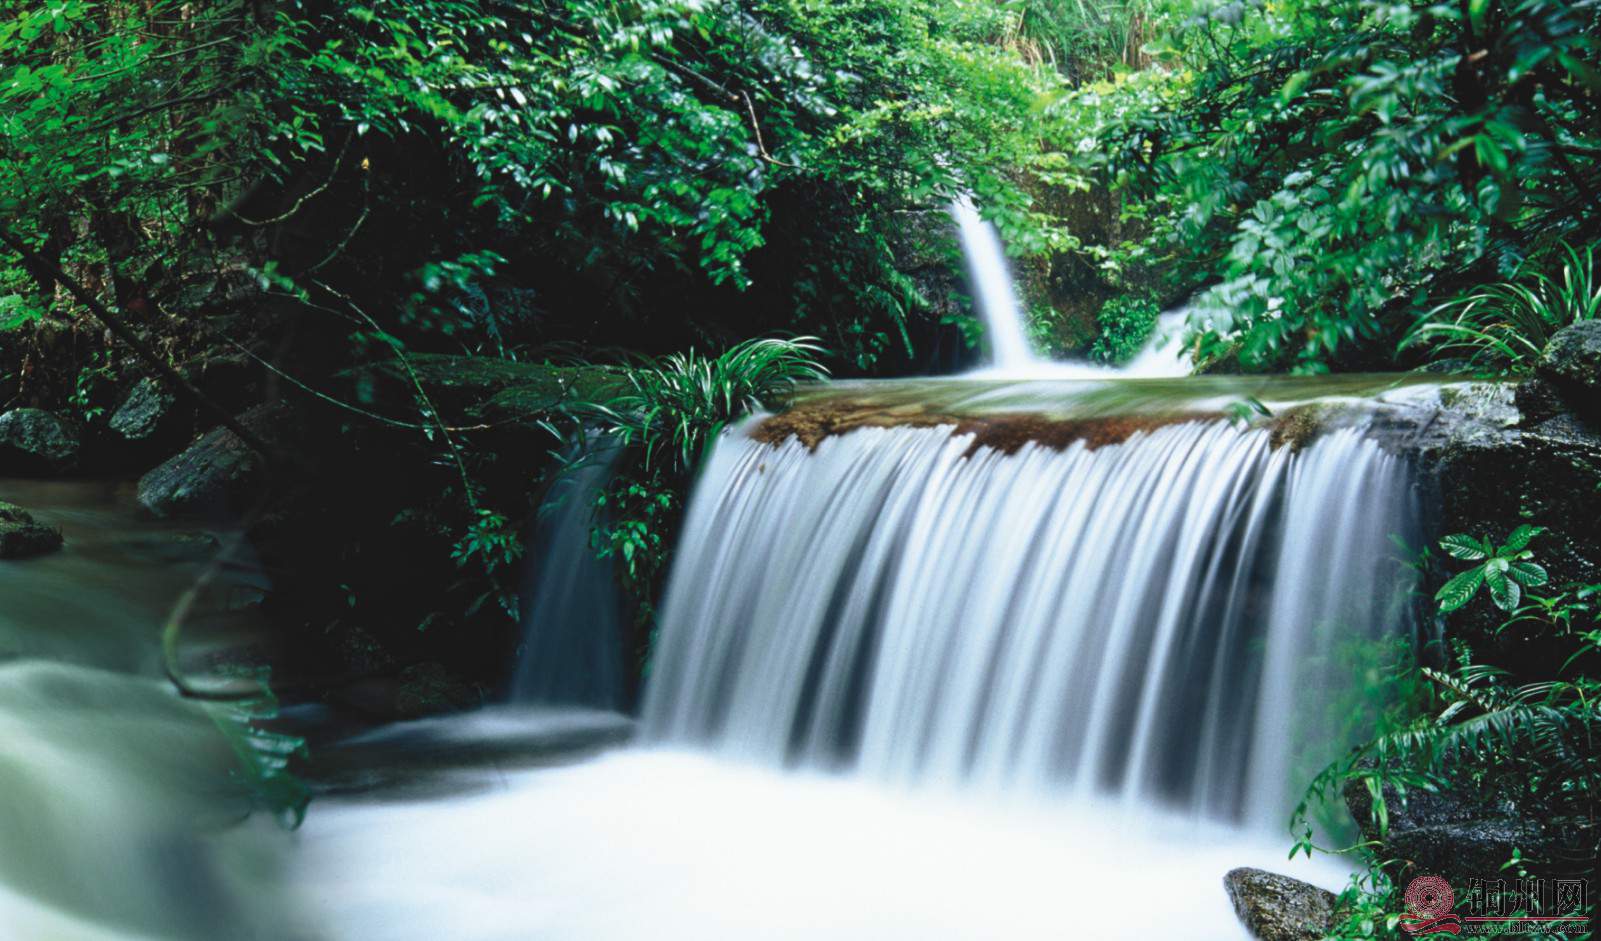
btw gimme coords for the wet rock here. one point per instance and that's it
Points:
(428, 689)
(144, 415)
(34, 441)
(1538, 401)
(22, 537)
(219, 475)
(1465, 834)
(1572, 362)
(1277, 908)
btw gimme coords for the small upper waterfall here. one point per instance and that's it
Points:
(1157, 618)
(1012, 353)
(993, 294)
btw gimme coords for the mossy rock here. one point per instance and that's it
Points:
(22, 537)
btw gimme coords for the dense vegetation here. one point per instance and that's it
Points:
(250, 199)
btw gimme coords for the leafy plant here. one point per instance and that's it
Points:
(1126, 323)
(675, 406)
(263, 755)
(1504, 327)
(1506, 569)
(84, 389)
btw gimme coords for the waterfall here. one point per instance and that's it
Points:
(994, 297)
(572, 619)
(1158, 619)
(1012, 353)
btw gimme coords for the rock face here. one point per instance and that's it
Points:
(1277, 908)
(1572, 362)
(22, 537)
(214, 477)
(34, 441)
(143, 415)
(1464, 836)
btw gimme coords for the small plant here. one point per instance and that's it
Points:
(1504, 327)
(85, 389)
(1126, 323)
(1506, 569)
(492, 542)
(674, 407)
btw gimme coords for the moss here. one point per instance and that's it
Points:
(1295, 428)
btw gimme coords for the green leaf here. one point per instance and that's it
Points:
(1463, 546)
(1460, 590)
(1503, 591)
(1520, 539)
(1527, 573)
(1293, 87)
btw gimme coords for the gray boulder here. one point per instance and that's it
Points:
(218, 476)
(1572, 362)
(1277, 908)
(34, 441)
(144, 415)
(22, 537)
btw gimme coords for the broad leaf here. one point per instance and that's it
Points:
(1520, 539)
(1463, 546)
(1460, 590)
(1529, 574)
(1503, 591)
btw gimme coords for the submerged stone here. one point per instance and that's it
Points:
(1277, 908)
(22, 537)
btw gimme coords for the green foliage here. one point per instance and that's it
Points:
(670, 412)
(1125, 322)
(1505, 568)
(84, 397)
(673, 408)
(263, 755)
(1319, 168)
(1084, 39)
(1479, 729)
(1503, 327)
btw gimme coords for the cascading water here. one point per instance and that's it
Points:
(1012, 353)
(993, 295)
(934, 677)
(572, 620)
(1157, 618)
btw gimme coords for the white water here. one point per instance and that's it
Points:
(1012, 354)
(905, 692)
(679, 846)
(1158, 620)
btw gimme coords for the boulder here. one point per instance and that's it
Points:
(144, 415)
(1572, 362)
(22, 537)
(34, 441)
(219, 475)
(1277, 908)
(1463, 834)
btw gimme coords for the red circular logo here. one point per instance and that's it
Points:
(1429, 897)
